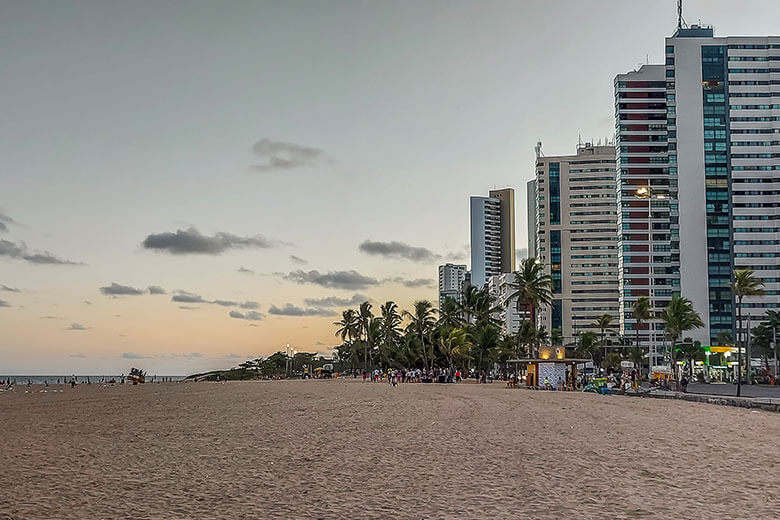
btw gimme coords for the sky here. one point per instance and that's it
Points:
(186, 184)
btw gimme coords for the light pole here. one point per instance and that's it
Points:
(646, 192)
(289, 353)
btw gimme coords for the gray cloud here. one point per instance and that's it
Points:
(398, 250)
(293, 310)
(4, 221)
(187, 297)
(335, 301)
(188, 355)
(225, 303)
(4, 303)
(278, 156)
(250, 305)
(192, 242)
(76, 326)
(120, 290)
(244, 270)
(298, 260)
(9, 289)
(133, 355)
(156, 289)
(20, 251)
(251, 315)
(350, 280)
(415, 282)
(187, 308)
(52, 317)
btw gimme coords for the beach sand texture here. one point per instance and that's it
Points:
(345, 449)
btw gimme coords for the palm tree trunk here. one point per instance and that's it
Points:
(739, 347)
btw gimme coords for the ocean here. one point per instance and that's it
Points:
(53, 380)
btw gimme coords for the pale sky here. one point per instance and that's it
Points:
(171, 144)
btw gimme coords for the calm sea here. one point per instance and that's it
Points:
(52, 380)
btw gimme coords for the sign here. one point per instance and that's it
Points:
(627, 364)
(660, 368)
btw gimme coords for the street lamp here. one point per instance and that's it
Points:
(646, 192)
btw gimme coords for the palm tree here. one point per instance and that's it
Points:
(364, 319)
(469, 298)
(485, 339)
(532, 287)
(390, 330)
(679, 317)
(421, 323)
(450, 313)
(454, 345)
(744, 284)
(347, 326)
(637, 356)
(602, 323)
(642, 311)
(587, 346)
(692, 351)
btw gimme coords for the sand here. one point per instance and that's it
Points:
(335, 449)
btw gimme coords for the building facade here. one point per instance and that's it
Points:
(507, 313)
(451, 280)
(648, 249)
(576, 237)
(492, 235)
(530, 201)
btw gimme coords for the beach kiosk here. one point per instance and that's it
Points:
(552, 365)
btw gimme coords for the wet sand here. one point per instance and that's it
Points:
(336, 449)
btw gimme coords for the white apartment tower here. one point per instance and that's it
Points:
(576, 237)
(451, 279)
(492, 235)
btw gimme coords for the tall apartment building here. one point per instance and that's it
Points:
(530, 200)
(507, 313)
(451, 280)
(492, 235)
(648, 240)
(576, 237)
(724, 148)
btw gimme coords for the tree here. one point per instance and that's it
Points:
(602, 323)
(420, 324)
(744, 284)
(587, 347)
(389, 331)
(611, 361)
(691, 351)
(450, 313)
(531, 287)
(364, 319)
(637, 356)
(679, 317)
(484, 339)
(455, 346)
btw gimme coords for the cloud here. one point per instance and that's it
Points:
(192, 242)
(187, 308)
(398, 250)
(278, 156)
(4, 303)
(20, 251)
(250, 305)
(244, 270)
(251, 315)
(77, 355)
(298, 260)
(189, 355)
(335, 301)
(156, 289)
(292, 310)
(187, 297)
(76, 326)
(9, 289)
(120, 290)
(52, 317)
(4, 221)
(349, 280)
(225, 303)
(415, 282)
(133, 355)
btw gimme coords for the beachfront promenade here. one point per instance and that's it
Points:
(343, 448)
(730, 389)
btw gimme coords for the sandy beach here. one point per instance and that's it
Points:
(341, 448)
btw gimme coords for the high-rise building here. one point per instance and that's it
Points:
(492, 235)
(451, 280)
(648, 240)
(576, 237)
(723, 113)
(530, 201)
(506, 307)
(698, 159)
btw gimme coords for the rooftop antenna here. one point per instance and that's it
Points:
(680, 20)
(538, 149)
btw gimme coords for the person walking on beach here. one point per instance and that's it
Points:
(364, 376)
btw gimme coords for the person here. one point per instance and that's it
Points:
(364, 376)
(559, 384)
(457, 376)
(546, 383)
(684, 383)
